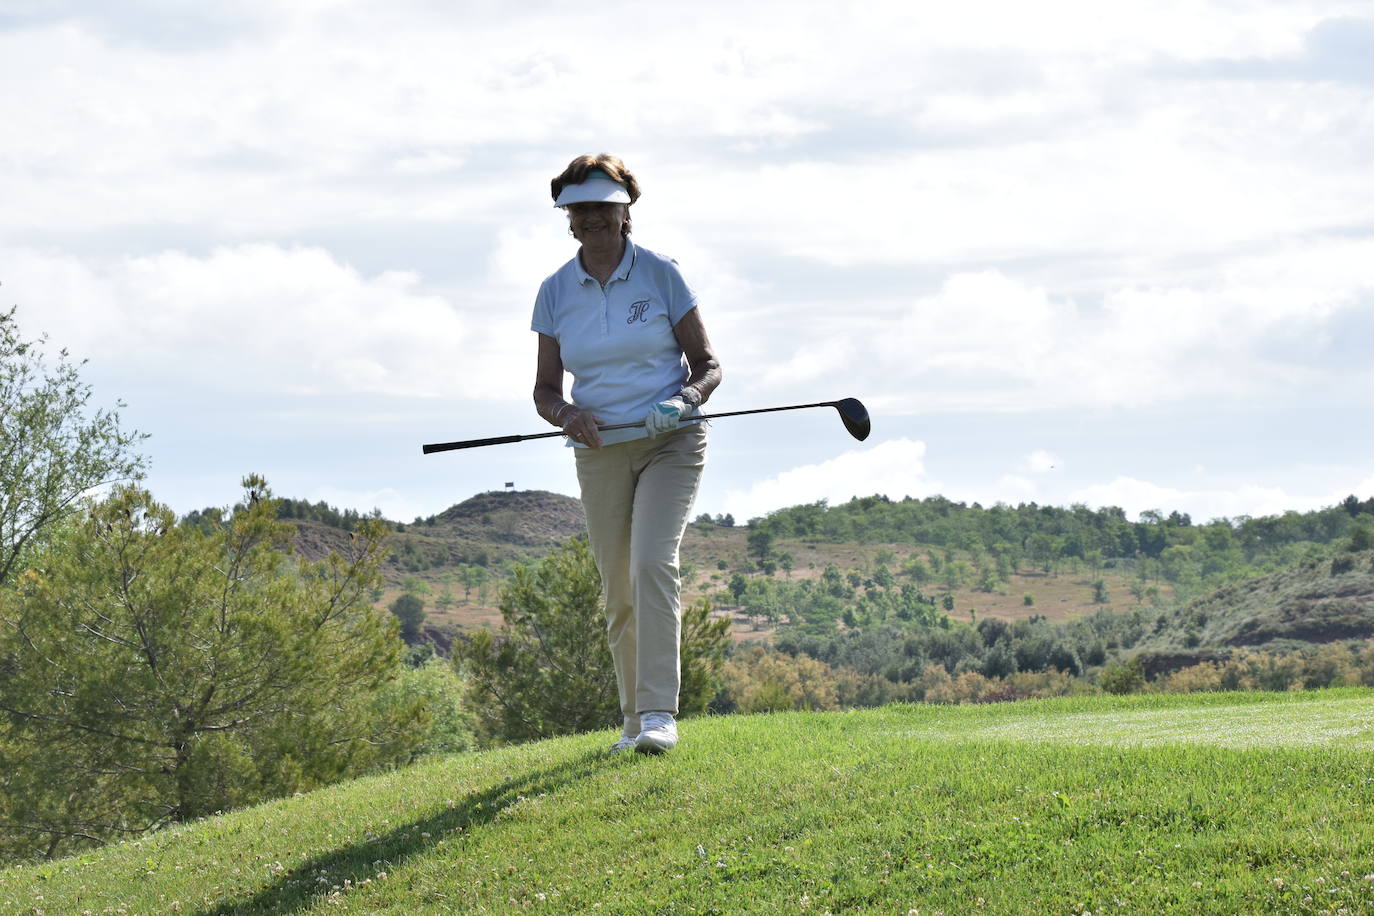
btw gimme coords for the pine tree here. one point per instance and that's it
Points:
(409, 610)
(156, 672)
(53, 448)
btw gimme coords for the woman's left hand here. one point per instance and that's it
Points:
(663, 417)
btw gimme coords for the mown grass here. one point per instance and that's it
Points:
(1223, 803)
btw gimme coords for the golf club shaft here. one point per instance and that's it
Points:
(504, 440)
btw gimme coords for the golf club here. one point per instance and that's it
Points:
(852, 413)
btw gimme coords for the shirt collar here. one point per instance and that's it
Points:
(622, 272)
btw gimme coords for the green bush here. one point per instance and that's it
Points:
(198, 670)
(1122, 677)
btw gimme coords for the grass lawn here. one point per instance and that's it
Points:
(1217, 803)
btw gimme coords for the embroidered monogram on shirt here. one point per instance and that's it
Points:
(639, 311)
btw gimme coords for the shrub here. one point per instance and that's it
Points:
(760, 680)
(966, 688)
(449, 724)
(932, 680)
(1195, 679)
(1331, 665)
(1122, 677)
(156, 672)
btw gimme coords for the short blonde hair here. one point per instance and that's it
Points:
(577, 170)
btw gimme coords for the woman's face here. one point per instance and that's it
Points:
(594, 224)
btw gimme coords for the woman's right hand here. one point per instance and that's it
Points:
(577, 425)
(580, 426)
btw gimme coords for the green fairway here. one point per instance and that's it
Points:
(1231, 803)
(1253, 720)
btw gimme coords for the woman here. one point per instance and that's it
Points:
(623, 322)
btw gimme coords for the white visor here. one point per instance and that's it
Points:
(597, 189)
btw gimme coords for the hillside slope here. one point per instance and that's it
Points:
(1224, 803)
(1314, 602)
(486, 529)
(1317, 601)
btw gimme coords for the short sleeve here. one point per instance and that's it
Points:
(681, 297)
(542, 321)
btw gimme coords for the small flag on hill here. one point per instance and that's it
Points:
(509, 484)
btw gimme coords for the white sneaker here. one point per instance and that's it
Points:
(659, 733)
(628, 732)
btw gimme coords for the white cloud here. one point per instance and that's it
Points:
(428, 162)
(1076, 143)
(1364, 489)
(1013, 489)
(1254, 326)
(260, 318)
(982, 207)
(528, 251)
(824, 360)
(895, 468)
(1136, 496)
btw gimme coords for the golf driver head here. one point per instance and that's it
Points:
(855, 417)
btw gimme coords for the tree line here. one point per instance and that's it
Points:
(1031, 536)
(294, 509)
(757, 679)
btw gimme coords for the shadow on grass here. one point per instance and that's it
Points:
(301, 888)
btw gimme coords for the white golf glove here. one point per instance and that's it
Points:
(664, 415)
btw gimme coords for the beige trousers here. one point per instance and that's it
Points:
(637, 496)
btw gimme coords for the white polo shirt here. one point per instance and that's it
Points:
(618, 342)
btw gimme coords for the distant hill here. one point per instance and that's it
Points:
(1314, 602)
(1294, 579)
(488, 529)
(527, 518)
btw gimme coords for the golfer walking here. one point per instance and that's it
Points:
(624, 323)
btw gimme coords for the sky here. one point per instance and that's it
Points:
(1065, 252)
